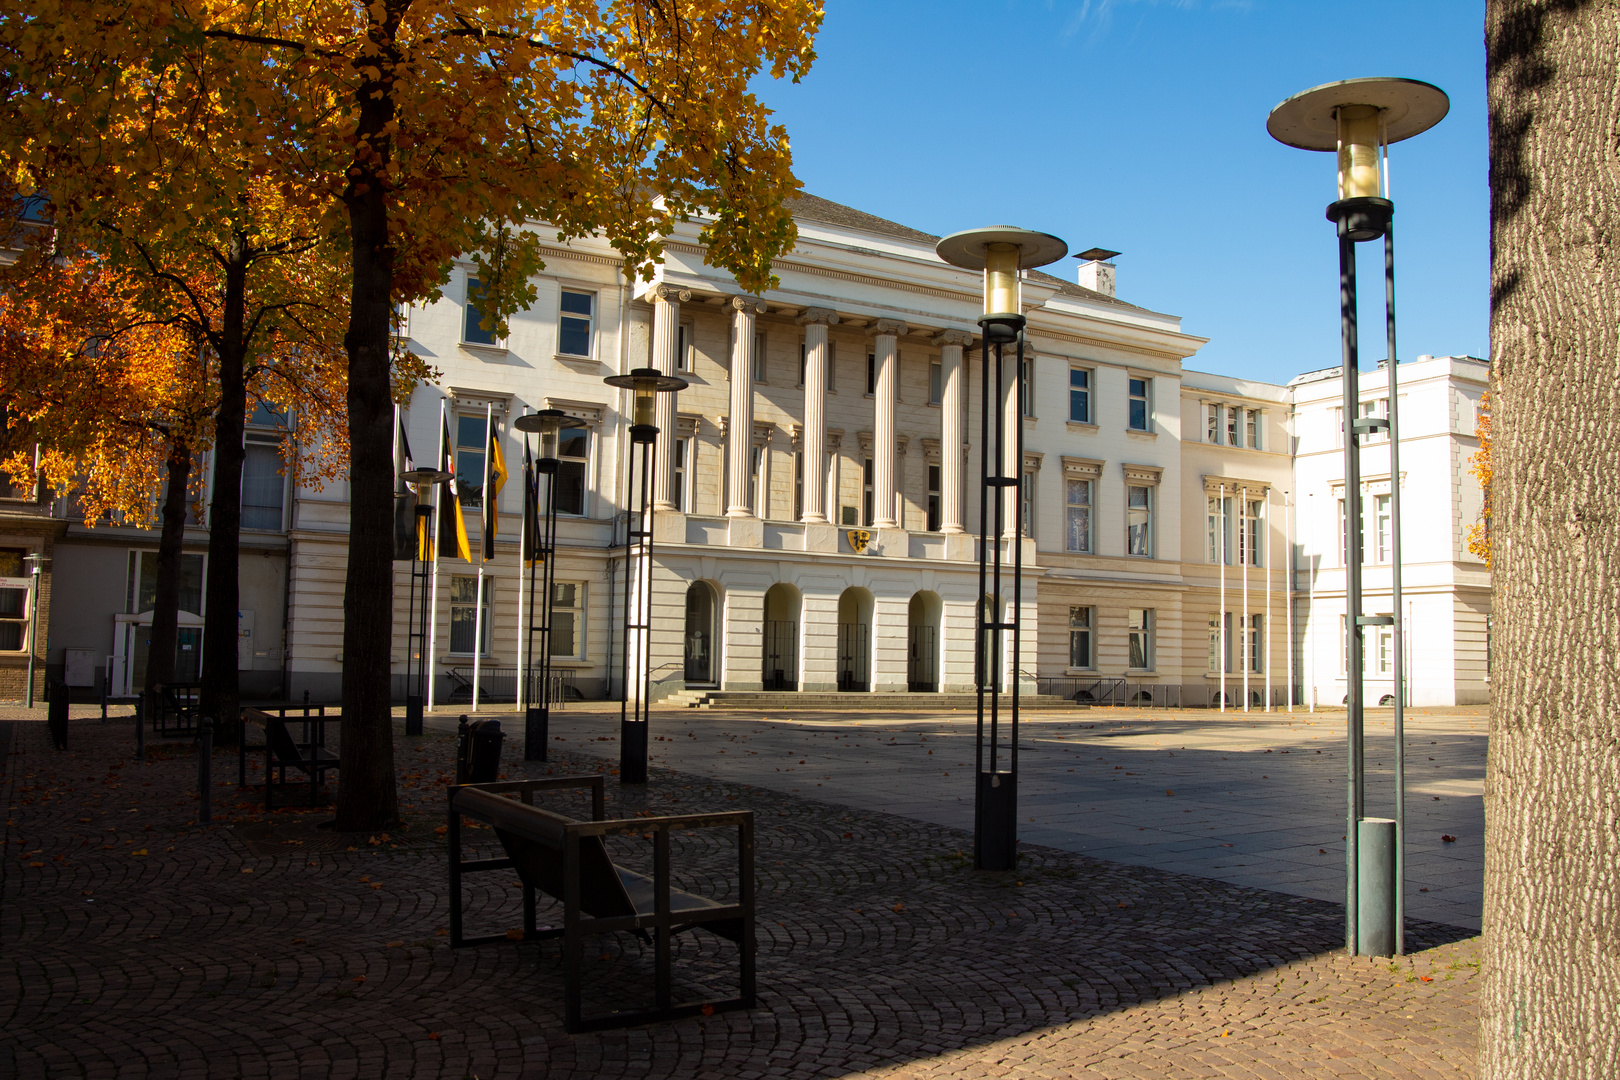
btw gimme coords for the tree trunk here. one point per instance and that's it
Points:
(1550, 999)
(366, 794)
(221, 699)
(166, 611)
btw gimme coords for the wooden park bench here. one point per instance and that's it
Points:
(568, 861)
(283, 752)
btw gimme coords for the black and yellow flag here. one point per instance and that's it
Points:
(494, 480)
(452, 529)
(532, 540)
(405, 520)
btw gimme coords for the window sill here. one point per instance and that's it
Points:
(479, 346)
(1083, 427)
(1141, 433)
(585, 363)
(1080, 671)
(1146, 672)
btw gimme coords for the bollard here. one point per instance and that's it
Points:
(478, 751)
(140, 727)
(205, 763)
(536, 730)
(56, 714)
(1375, 886)
(413, 714)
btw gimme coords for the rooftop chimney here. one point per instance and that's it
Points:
(1097, 270)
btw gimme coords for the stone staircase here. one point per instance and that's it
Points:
(773, 700)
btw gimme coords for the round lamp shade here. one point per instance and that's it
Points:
(646, 378)
(969, 248)
(1309, 119)
(425, 476)
(547, 420)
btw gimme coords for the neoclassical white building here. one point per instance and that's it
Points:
(1161, 503)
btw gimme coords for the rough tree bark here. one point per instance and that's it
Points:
(166, 610)
(1550, 1001)
(366, 795)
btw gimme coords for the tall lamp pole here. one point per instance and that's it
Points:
(36, 566)
(539, 551)
(639, 464)
(416, 625)
(1358, 119)
(1002, 253)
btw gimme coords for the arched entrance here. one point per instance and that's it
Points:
(922, 643)
(702, 610)
(855, 640)
(779, 658)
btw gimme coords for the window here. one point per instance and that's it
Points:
(1233, 436)
(1081, 621)
(1220, 530)
(933, 498)
(1253, 429)
(1384, 544)
(1220, 656)
(679, 449)
(472, 325)
(1079, 396)
(1140, 628)
(804, 351)
(1250, 535)
(1139, 521)
(1253, 643)
(866, 492)
(568, 620)
(263, 486)
(1140, 411)
(1360, 538)
(574, 323)
(470, 450)
(798, 485)
(466, 635)
(1383, 647)
(1026, 502)
(936, 382)
(1212, 423)
(1026, 386)
(1077, 500)
(759, 357)
(832, 367)
(13, 599)
(573, 453)
(683, 347)
(871, 374)
(756, 455)
(1378, 408)
(142, 594)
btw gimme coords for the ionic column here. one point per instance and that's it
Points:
(885, 347)
(741, 414)
(815, 322)
(665, 337)
(952, 434)
(1011, 463)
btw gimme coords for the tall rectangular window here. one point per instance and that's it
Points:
(1141, 405)
(683, 347)
(263, 486)
(1079, 396)
(574, 323)
(142, 594)
(1077, 510)
(866, 492)
(472, 317)
(1140, 629)
(568, 620)
(1220, 645)
(1212, 423)
(1252, 420)
(1234, 436)
(832, 367)
(1251, 533)
(936, 382)
(470, 451)
(756, 457)
(804, 351)
(1027, 385)
(1254, 643)
(14, 600)
(1220, 530)
(933, 498)
(798, 485)
(679, 451)
(1139, 521)
(1386, 536)
(1383, 648)
(1081, 624)
(573, 454)
(467, 635)
(871, 373)
(1026, 502)
(760, 367)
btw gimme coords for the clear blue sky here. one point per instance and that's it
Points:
(1139, 125)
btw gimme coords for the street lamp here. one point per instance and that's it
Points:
(416, 629)
(539, 546)
(1002, 253)
(645, 385)
(1358, 119)
(37, 564)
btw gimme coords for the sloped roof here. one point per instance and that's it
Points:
(814, 208)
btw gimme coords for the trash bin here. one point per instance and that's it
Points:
(478, 751)
(56, 714)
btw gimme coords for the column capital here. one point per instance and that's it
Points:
(931, 450)
(796, 436)
(825, 316)
(888, 328)
(865, 440)
(669, 293)
(748, 305)
(835, 438)
(953, 337)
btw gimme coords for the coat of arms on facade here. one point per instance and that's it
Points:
(858, 539)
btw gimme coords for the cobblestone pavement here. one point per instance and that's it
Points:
(1258, 798)
(134, 943)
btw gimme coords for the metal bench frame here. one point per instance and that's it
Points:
(309, 757)
(662, 922)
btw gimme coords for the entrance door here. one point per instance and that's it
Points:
(922, 655)
(133, 645)
(781, 655)
(700, 611)
(853, 657)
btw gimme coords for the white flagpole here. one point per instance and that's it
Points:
(1220, 618)
(393, 577)
(433, 590)
(1288, 588)
(483, 527)
(1245, 552)
(523, 547)
(1267, 626)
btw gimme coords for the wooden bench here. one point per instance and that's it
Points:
(283, 752)
(567, 860)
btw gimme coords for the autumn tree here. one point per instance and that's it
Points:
(1479, 464)
(1550, 993)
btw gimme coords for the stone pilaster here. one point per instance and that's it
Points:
(885, 347)
(952, 433)
(741, 414)
(815, 322)
(666, 303)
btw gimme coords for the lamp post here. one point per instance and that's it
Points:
(37, 564)
(539, 548)
(416, 629)
(645, 384)
(1358, 119)
(1002, 253)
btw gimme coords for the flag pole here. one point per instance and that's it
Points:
(483, 541)
(523, 548)
(433, 589)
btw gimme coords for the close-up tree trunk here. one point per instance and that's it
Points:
(166, 609)
(1550, 998)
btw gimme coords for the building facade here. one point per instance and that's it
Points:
(1160, 504)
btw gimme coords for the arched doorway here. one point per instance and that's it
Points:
(779, 658)
(922, 643)
(855, 640)
(702, 609)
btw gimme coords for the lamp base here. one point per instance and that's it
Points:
(413, 714)
(633, 752)
(536, 732)
(1002, 327)
(995, 836)
(1360, 219)
(643, 433)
